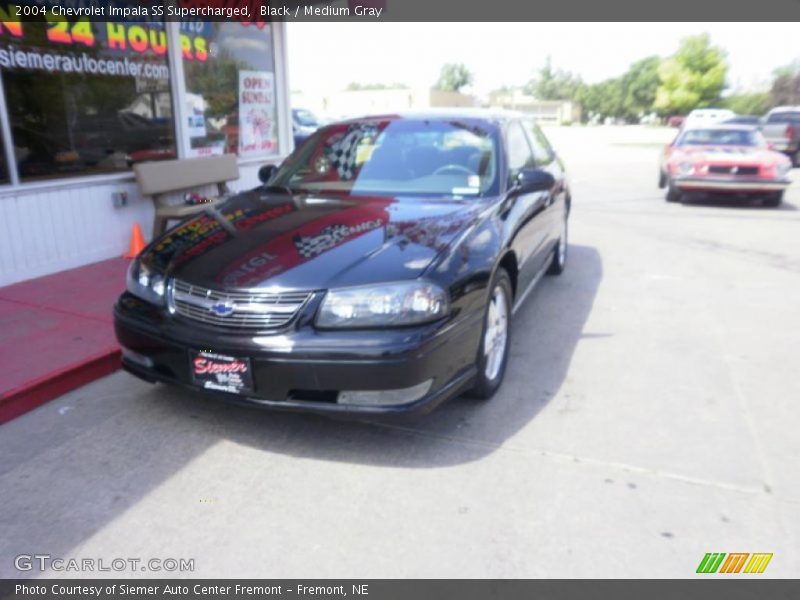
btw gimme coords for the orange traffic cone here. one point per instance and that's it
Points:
(137, 242)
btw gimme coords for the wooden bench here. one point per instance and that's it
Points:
(161, 179)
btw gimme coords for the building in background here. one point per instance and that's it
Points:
(355, 103)
(556, 112)
(81, 102)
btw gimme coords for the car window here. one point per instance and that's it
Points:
(784, 117)
(520, 155)
(721, 137)
(397, 157)
(542, 151)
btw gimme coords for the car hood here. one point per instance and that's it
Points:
(264, 240)
(725, 154)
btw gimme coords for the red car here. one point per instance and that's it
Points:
(730, 159)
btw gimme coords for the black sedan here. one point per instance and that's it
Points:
(375, 272)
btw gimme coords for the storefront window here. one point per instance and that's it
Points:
(230, 89)
(86, 98)
(4, 178)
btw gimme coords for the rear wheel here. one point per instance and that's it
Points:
(673, 193)
(774, 199)
(493, 351)
(662, 180)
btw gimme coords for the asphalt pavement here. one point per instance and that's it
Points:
(649, 416)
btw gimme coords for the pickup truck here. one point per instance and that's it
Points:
(781, 128)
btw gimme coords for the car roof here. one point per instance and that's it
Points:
(780, 109)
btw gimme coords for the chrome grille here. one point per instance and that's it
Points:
(733, 170)
(244, 310)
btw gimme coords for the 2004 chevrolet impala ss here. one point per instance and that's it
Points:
(375, 272)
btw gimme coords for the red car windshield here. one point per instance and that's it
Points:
(721, 137)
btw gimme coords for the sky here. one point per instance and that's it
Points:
(327, 56)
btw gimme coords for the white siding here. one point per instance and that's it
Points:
(50, 229)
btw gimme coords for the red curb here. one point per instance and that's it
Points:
(36, 392)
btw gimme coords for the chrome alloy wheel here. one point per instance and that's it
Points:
(494, 342)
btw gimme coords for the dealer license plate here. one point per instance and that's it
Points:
(220, 372)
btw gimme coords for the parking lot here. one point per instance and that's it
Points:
(649, 415)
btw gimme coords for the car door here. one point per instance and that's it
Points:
(530, 232)
(555, 204)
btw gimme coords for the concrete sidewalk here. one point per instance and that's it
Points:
(56, 334)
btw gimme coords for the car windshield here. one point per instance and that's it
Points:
(784, 117)
(305, 118)
(721, 137)
(431, 157)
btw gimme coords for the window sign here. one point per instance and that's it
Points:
(230, 96)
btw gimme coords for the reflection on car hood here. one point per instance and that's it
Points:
(725, 153)
(260, 239)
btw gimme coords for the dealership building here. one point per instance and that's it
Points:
(82, 102)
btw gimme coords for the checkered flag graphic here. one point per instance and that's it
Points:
(342, 153)
(311, 245)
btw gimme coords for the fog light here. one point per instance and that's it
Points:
(384, 397)
(139, 359)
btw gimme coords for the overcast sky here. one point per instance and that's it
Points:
(328, 56)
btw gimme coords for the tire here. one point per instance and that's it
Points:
(559, 261)
(796, 158)
(673, 193)
(774, 200)
(662, 180)
(492, 366)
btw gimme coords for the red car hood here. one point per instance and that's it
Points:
(726, 154)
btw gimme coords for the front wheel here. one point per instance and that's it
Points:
(774, 199)
(673, 193)
(493, 351)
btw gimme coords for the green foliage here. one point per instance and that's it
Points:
(453, 77)
(748, 104)
(628, 97)
(786, 85)
(554, 84)
(693, 77)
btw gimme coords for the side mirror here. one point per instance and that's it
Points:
(534, 180)
(266, 172)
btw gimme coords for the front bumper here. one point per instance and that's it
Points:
(712, 184)
(303, 369)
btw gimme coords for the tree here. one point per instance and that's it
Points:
(640, 85)
(453, 77)
(554, 84)
(786, 85)
(756, 103)
(693, 77)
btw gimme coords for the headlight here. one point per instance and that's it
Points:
(782, 170)
(146, 283)
(685, 168)
(406, 303)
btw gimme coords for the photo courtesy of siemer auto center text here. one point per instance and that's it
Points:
(397, 299)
